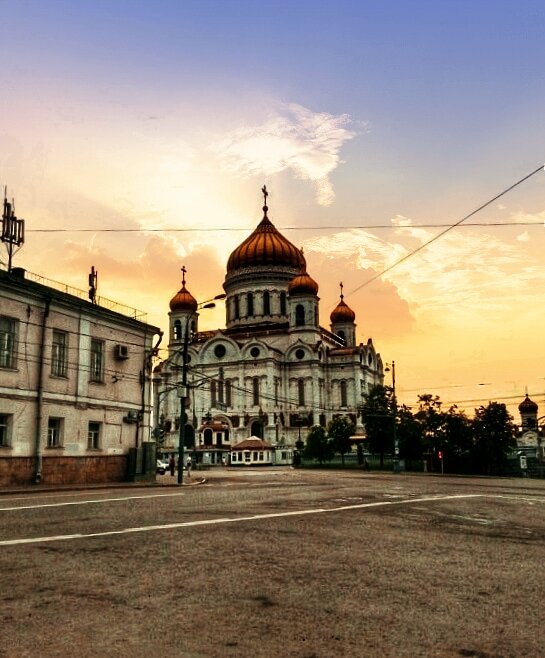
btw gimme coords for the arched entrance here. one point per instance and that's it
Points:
(257, 429)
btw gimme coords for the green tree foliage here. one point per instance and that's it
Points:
(377, 414)
(494, 437)
(317, 445)
(409, 432)
(340, 430)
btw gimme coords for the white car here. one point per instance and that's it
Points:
(162, 466)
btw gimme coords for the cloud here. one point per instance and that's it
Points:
(296, 139)
(463, 278)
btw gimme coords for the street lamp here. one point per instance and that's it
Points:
(394, 404)
(182, 391)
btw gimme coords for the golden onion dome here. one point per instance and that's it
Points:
(266, 246)
(183, 300)
(302, 284)
(342, 312)
(528, 406)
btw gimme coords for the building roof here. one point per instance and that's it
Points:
(183, 300)
(266, 246)
(302, 284)
(22, 282)
(528, 406)
(253, 443)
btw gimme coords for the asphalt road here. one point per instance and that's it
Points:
(277, 562)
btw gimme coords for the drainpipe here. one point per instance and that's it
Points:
(40, 399)
(145, 375)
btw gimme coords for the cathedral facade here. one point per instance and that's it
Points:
(273, 371)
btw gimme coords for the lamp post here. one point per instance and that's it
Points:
(394, 405)
(182, 390)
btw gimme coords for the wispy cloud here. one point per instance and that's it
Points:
(294, 138)
(473, 277)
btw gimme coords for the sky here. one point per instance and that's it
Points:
(136, 136)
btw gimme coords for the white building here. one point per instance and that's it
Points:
(74, 386)
(273, 371)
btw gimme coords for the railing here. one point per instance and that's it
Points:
(104, 302)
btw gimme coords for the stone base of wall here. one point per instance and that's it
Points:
(64, 470)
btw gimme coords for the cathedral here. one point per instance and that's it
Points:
(273, 372)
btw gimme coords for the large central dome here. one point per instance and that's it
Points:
(266, 246)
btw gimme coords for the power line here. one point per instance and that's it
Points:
(449, 228)
(224, 229)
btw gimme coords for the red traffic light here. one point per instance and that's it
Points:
(440, 454)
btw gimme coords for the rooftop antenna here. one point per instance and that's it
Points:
(93, 285)
(13, 229)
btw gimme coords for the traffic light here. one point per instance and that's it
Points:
(440, 454)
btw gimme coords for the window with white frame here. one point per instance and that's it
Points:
(93, 436)
(5, 430)
(8, 342)
(59, 353)
(54, 432)
(97, 360)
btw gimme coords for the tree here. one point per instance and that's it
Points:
(432, 422)
(377, 414)
(340, 430)
(494, 437)
(409, 432)
(317, 446)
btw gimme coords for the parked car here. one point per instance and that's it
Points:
(162, 466)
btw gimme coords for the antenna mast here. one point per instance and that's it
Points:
(13, 229)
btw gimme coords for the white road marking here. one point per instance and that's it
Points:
(91, 502)
(240, 519)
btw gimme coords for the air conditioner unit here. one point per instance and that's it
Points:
(121, 352)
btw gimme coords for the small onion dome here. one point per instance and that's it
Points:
(342, 313)
(303, 284)
(265, 246)
(183, 301)
(527, 405)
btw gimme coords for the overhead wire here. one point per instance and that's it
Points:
(449, 228)
(230, 229)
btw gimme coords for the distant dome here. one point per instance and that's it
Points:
(528, 406)
(183, 300)
(265, 246)
(303, 284)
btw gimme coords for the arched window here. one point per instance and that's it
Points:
(301, 392)
(255, 391)
(299, 315)
(340, 334)
(266, 303)
(282, 303)
(208, 437)
(250, 303)
(257, 429)
(177, 335)
(237, 308)
(213, 393)
(344, 397)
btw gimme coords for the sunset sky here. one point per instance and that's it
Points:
(369, 122)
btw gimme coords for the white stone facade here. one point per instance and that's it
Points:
(273, 371)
